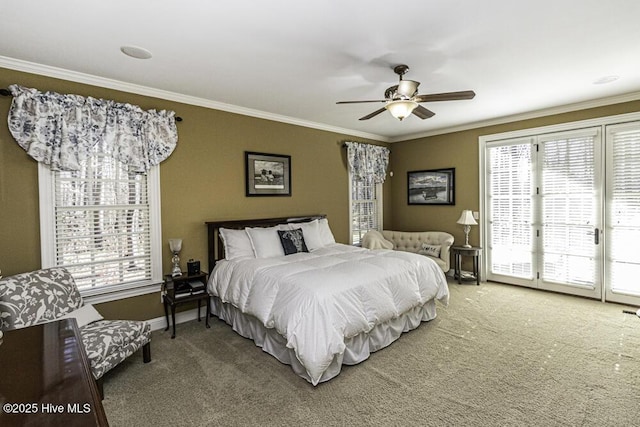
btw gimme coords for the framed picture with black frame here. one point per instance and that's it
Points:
(431, 187)
(267, 174)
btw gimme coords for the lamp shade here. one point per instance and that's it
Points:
(407, 88)
(467, 218)
(175, 245)
(401, 108)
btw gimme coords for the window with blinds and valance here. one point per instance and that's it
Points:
(367, 171)
(99, 187)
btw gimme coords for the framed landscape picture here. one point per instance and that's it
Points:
(267, 174)
(431, 187)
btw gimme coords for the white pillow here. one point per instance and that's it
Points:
(311, 233)
(84, 315)
(265, 241)
(326, 236)
(237, 244)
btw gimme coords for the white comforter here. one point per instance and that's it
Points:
(316, 300)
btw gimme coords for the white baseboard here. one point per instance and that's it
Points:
(184, 316)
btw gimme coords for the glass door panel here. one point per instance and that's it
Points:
(623, 213)
(510, 230)
(568, 250)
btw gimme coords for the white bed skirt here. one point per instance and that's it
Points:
(358, 348)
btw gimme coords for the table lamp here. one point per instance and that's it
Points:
(467, 220)
(175, 245)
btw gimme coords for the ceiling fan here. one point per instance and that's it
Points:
(403, 99)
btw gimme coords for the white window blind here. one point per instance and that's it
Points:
(365, 208)
(509, 198)
(623, 194)
(568, 201)
(102, 224)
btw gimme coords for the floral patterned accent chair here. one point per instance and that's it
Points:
(42, 296)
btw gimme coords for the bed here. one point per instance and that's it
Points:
(313, 303)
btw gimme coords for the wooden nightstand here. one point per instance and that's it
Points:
(458, 253)
(181, 289)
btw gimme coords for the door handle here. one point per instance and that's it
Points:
(596, 236)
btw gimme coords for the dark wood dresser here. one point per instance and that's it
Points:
(45, 378)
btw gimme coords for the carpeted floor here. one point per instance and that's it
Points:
(498, 356)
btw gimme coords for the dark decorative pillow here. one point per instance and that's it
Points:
(292, 241)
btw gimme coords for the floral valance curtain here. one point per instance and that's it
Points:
(60, 130)
(368, 161)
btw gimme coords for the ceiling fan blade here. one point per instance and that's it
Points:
(423, 113)
(360, 102)
(447, 96)
(375, 113)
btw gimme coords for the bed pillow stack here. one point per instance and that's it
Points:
(266, 242)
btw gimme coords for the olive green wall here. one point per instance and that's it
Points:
(203, 180)
(460, 151)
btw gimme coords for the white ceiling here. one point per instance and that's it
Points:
(291, 60)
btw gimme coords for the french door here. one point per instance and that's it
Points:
(569, 199)
(543, 212)
(562, 211)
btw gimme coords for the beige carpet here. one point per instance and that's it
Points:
(498, 355)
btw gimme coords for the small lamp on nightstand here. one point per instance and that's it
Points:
(467, 220)
(176, 246)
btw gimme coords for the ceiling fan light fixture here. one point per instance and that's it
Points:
(403, 99)
(401, 108)
(407, 88)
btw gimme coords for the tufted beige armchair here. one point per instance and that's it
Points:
(433, 244)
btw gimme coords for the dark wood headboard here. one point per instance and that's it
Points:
(216, 248)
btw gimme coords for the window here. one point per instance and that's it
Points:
(367, 171)
(365, 203)
(102, 223)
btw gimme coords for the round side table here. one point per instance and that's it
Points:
(458, 253)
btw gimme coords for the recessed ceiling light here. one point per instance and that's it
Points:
(605, 80)
(136, 52)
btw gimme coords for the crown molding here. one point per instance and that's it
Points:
(74, 76)
(601, 102)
